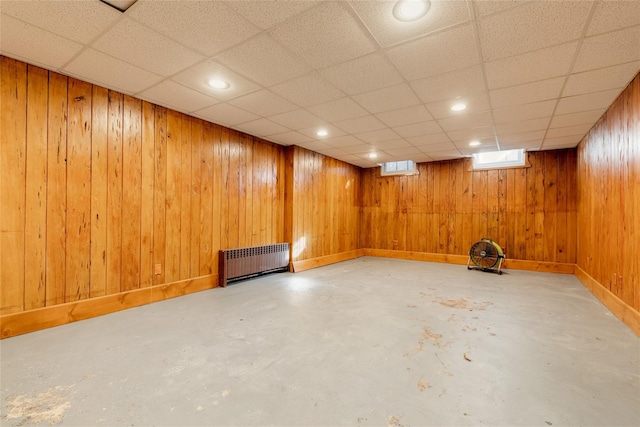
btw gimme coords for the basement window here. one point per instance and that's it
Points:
(500, 159)
(402, 167)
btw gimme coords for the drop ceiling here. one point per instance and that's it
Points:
(533, 74)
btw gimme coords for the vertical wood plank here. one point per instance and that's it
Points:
(195, 190)
(208, 222)
(131, 193)
(13, 152)
(36, 187)
(99, 171)
(78, 236)
(114, 193)
(173, 196)
(56, 190)
(147, 192)
(159, 196)
(185, 199)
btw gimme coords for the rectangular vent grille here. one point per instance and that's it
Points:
(241, 263)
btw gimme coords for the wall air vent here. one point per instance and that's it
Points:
(402, 167)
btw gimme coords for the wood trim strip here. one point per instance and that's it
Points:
(308, 264)
(417, 256)
(61, 314)
(627, 314)
(545, 267)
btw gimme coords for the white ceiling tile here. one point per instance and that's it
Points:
(476, 103)
(104, 70)
(290, 138)
(467, 121)
(405, 116)
(266, 14)
(418, 129)
(444, 155)
(521, 113)
(527, 145)
(435, 54)
(531, 26)
(332, 152)
(527, 93)
(360, 124)
(262, 127)
(602, 79)
(359, 149)
(485, 147)
(315, 146)
(263, 60)
(138, 45)
(387, 99)
(562, 142)
(435, 138)
(263, 103)
(487, 7)
(580, 130)
(464, 82)
(392, 143)
(340, 109)
(363, 74)
(178, 97)
(472, 134)
(379, 19)
(198, 76)
(405, 152)
(343, 141)
(573, 119)
(34, 45)
(80, 21)
(325, 35)
(226, 114)
(307, 90)
(332, 132)
(208, 27)
(614, 15)
(589, 101)
(297, 119)
(530, 67)
(599, 51)
(524, 126)
(536, 135)
(375, 136)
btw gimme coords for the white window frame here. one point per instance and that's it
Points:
(407, 167)
(483, 164)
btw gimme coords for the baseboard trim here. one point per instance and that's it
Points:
(623, 311)
(542, 266)
(417, 256)
(310, 263)
(61, 314)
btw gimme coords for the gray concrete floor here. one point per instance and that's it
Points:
(367, 342)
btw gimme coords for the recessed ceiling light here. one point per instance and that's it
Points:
(458, 107)
(373, 155)
(474, 143)
(410, 10)
(218, 84)
(322, 132)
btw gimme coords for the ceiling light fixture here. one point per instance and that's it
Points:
(219, 84)
(373, 155)
(411, 10)
(474, 143)
(322, 132)
(458, 107)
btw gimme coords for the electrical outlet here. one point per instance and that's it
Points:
(157, 269)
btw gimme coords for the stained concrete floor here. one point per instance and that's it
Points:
(367, 342)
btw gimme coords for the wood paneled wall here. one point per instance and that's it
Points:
(323, 204)
(530, 212)
(609, 198)
(98, 188)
